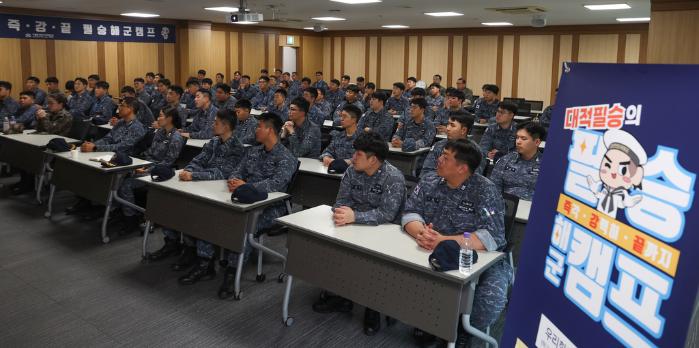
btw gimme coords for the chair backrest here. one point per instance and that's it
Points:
(524, 109)
(536, 104)
(79, 128)
(511, 204)
(516, 101)
(293, 178)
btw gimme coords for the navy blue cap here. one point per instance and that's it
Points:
(121, 158)
(247, 194)
(337, 166)
(58, 145)
(161, 173)
(445, 256)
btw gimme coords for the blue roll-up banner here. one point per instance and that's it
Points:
(55, 28)
(609, 255)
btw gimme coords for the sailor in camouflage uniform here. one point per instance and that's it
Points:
(202, 123)
(341, 146)
(223, 98)
(377, 119)
(143, 114)
(102, 110)
(486, 106)
(418, 132)
(279, 105)
(516, 172)
(320, 109)
(499, 138)
(125, 133)
(397, 104)
(351, 97)
(81, 102)
(460, 122)
(265, 95)
(301, 136)
(245, 130)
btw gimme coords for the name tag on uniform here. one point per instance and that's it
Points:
(432, 199)
(466, 206)
(512, 138)
(534, 170)
(356, 187)
(377, 189)
(510, 168)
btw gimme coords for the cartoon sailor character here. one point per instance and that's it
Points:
(620, 171)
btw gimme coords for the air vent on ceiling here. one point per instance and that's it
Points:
(521, 10)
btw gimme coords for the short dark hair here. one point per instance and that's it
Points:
(28, 94)
(354, 111)
(490, 87)
(224, 87)
(127, 89)
(94, 77)
(227, 116)
(243, 104)
(371, 143)
(412, 78)
(70, 85)
(464, 118)
(131, 102)
(165, 82)
(205, 92)
(465, 151)
(335, 81)
(282, 92)
(245, 77)
(456, 93)
(286, 73)
(172, 113)
(319, 73)
(207, 80)
(33, 78)
(273, 120)
(435, 85)
(418, 91)
(360, 78)
(400, 85)
(285, 83)
(177, 89)
(345, 77)
(6, 85)
(162, 76)
(535, 131)
(264, 71)
(219, 74)
(511, 107)
(139, 79)
(150, 74)
(202, 72)
(380, 95)
(306, 79)
(51, 79)
(352, 88)
(81, 80)
(102, 84)
(301, 103)
(438, 75)
(58, 98)
(277, 69)
(312, 91)
(191, 82)
(370, 85)
(264, 78)
(420, 102)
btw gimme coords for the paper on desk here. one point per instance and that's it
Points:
(100, 158)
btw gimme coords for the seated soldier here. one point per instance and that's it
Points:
(139, 86)
(351, 97)
(246, 90)
(456, 201)
(460, 123)
(377, 119)
(103, 108)
(369, 89)
(202, 122)
(159, 96)
(125, 133)
(452, 103)
(26, 114)
(516, 172)
(279, 106)
(335, 95)
(397, 104)
(223, 97)
(499, 138)
(435, 101)
(300, 134)
(320, 108)
(265, 95)
(81, 101)
(417, 132)
(143, 113)
(486, 106)
(245, 130)
(187, 98)
(164, 150)
(340, 147)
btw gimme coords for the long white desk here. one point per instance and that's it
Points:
(380, 267)
(204, 210)
(314, 185)
(406, 161)
(89, 180)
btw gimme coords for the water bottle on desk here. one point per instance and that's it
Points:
(465, 255)
(6, 125)
(13, 122)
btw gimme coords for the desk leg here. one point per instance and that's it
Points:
(105, 219)
(145, 239)
(466, 317)
(49, 205)
(288, 321)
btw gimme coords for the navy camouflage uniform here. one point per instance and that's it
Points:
(39, 96)
(495, 137)
(235, 84)
(441, 117)
(380, 122)
(338, 110)
(188, 100)
(295, 90)
(202, 126)
(320, 111)
(158, 102)
(335, 98)
(514, 175)
(122, 138)
(144, 114)
(341, 146)
(144, 97)
(164, 151)
(80, 105)
(248, 93)
(437, 101)
(484, 110)
(8, 107)
(477, 207)
(429, 167)
(102, 110)
(268, 171)
(400, 105)
(283, 112)
(229, 104)
(305, 142)
(263, 99)
(322, 85)
(545, 117)
(416, 135)
(27, 116)
(375, 199)
(216, 161)
(245, 130)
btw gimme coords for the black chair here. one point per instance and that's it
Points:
(516, 101)
(524, 109)
(79, 128)
(537, 105)
(511, 204)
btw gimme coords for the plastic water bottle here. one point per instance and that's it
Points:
(13, 122)
(6, 124)
(465, 255)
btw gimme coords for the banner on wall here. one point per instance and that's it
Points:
(55, 28)
(609, 257)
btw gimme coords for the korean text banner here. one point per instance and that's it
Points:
(54, 28)
(609, 256)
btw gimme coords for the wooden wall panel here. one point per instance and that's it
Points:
(355, 48)
(434, 57)
(11, 67)
(373, 60)
(312, 61)
(535, 59)
(598, 48)
(218, 54)
(482, 61)
(254, 54)
(392, 60)
(457, 62)
(111, 65)
(337, 60)
(169, 70)
(326, 58)
(233, 63)
(412, 56)
(272, 53)
(75, 58)
(633, 48)
(199, 40)
(139, 58)
(672, 37)
(38, 59)
(508, 46)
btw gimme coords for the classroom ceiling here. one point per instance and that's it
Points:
(297, 14)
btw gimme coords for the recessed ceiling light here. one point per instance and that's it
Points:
(444, 14)
(140, 15)
(355, 2)
(329, 19)
(308, 28)
(497, 24)
(638, 19)
(603, 7)
(222, 9)
(395, 26)
(245, 22)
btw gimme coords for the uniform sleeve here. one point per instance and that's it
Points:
(386, 127)
(200, 172)
(304, 147)
(400, 133)
(414, 206)
(344, 194)
(428, 137)
(127, 143)
(27, 118)
(240, 171)
(285, 169)
(391, 203)
(336, 115)
(173, 152)
(491, 219)
(486, 141)
(8, 109)
(429, 167)
(498, 174)
(331, 150)
(204, 128)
